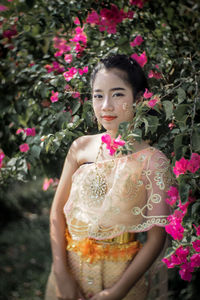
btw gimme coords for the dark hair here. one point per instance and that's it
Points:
(133, 73)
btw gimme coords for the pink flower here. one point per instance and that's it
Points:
(171, 126)
(196, 245)
(151, 103)
(175, 228)
(180, 167)
(142, 59)
(197, 229)
(186, 271)
(30, 131)
(24, 147)
(139, 3)
(129, 14)
(68, 58)
(54, 96)
(57, 67)
(173, 194)
(68, 75)
(182, 254)
(93, 18)
(76, 95)
(195, 260)
(19, 130)
(154, 74)
(3, 8)
(169, 263)
(147, 94)
(76, 21)
(194, 163)
(137, 41)
(46, 184)
(80, 36)
(2, 155)
(82, 71)
(112, 145)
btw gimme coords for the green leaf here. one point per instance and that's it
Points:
(181, 95)
(181, 112)
(196, 139)
(35, 151)
(184, 189)
(168, 107)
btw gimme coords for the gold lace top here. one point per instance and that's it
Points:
(134, 201)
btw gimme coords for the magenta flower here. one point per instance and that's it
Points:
(169, 263)
(137, 41)
(195, 260)
(112, 145)
(173, 194)
(151, 103)
(75, 95)
(54, 96)
(68, 58)
(3, 8)
(30, 131)
(19, 130)
(186, 271)
(196, 245)
(194, 163)
(138, 3)
(80, 36)
(142, 59)
(68, 75)
(147, 94)
(46, 184)
(197, 229)
(24, 147)
(154, 74)
(93, 18)
(2, 155)
(171, 126)
(180, 167)
(84, 70)
(76, 21)
(175, 228)
(182, 254)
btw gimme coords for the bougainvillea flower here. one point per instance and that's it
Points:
(169, 263)
(173, 194)
(76, 21)
(93, 18)
(3, 8)
(46, 184)
(195, 260)
(30, 131)
(138, 3)
(151, 103)
(137, 41)
(142, 59)
(154, 74)
(112, 144)
(2, 155)
(68, 58)
(75, 94)
(147, 94)
(54, 96)
(194, 163)
(197, 229)
(185, 271)
(182, 254)
(175, 228)
(180, 167)
(171, 126)
(19, 130)
(68, 75)
(196, 245)
(84, 70)
(24, 147)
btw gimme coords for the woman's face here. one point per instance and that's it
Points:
(112, 99)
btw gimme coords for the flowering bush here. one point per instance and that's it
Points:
(47, 55)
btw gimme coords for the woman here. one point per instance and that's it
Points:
(107, 200)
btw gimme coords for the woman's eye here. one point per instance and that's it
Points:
(118, 95)
(97, 96)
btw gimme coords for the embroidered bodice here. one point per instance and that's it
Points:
(134, 200)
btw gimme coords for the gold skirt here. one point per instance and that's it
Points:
(97, 265)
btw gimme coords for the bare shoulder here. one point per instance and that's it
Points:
(85, 147)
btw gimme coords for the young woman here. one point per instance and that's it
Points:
(102, 201)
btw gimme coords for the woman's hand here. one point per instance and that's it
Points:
(107, 294)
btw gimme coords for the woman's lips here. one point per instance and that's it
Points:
(109, 118)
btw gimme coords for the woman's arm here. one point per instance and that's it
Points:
(66, 287)
(137, 268)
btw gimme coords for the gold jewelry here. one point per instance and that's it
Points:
(99, 125)
(98, 186)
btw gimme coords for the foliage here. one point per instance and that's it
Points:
(36, 95)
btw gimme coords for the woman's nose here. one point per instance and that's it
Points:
(107, 103)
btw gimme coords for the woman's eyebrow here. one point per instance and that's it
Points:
(113, 89)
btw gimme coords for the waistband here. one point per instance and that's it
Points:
(121, 248)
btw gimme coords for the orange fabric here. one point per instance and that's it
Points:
(91, 251)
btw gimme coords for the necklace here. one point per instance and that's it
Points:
(98, 186)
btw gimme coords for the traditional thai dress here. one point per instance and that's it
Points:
(109, 203)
